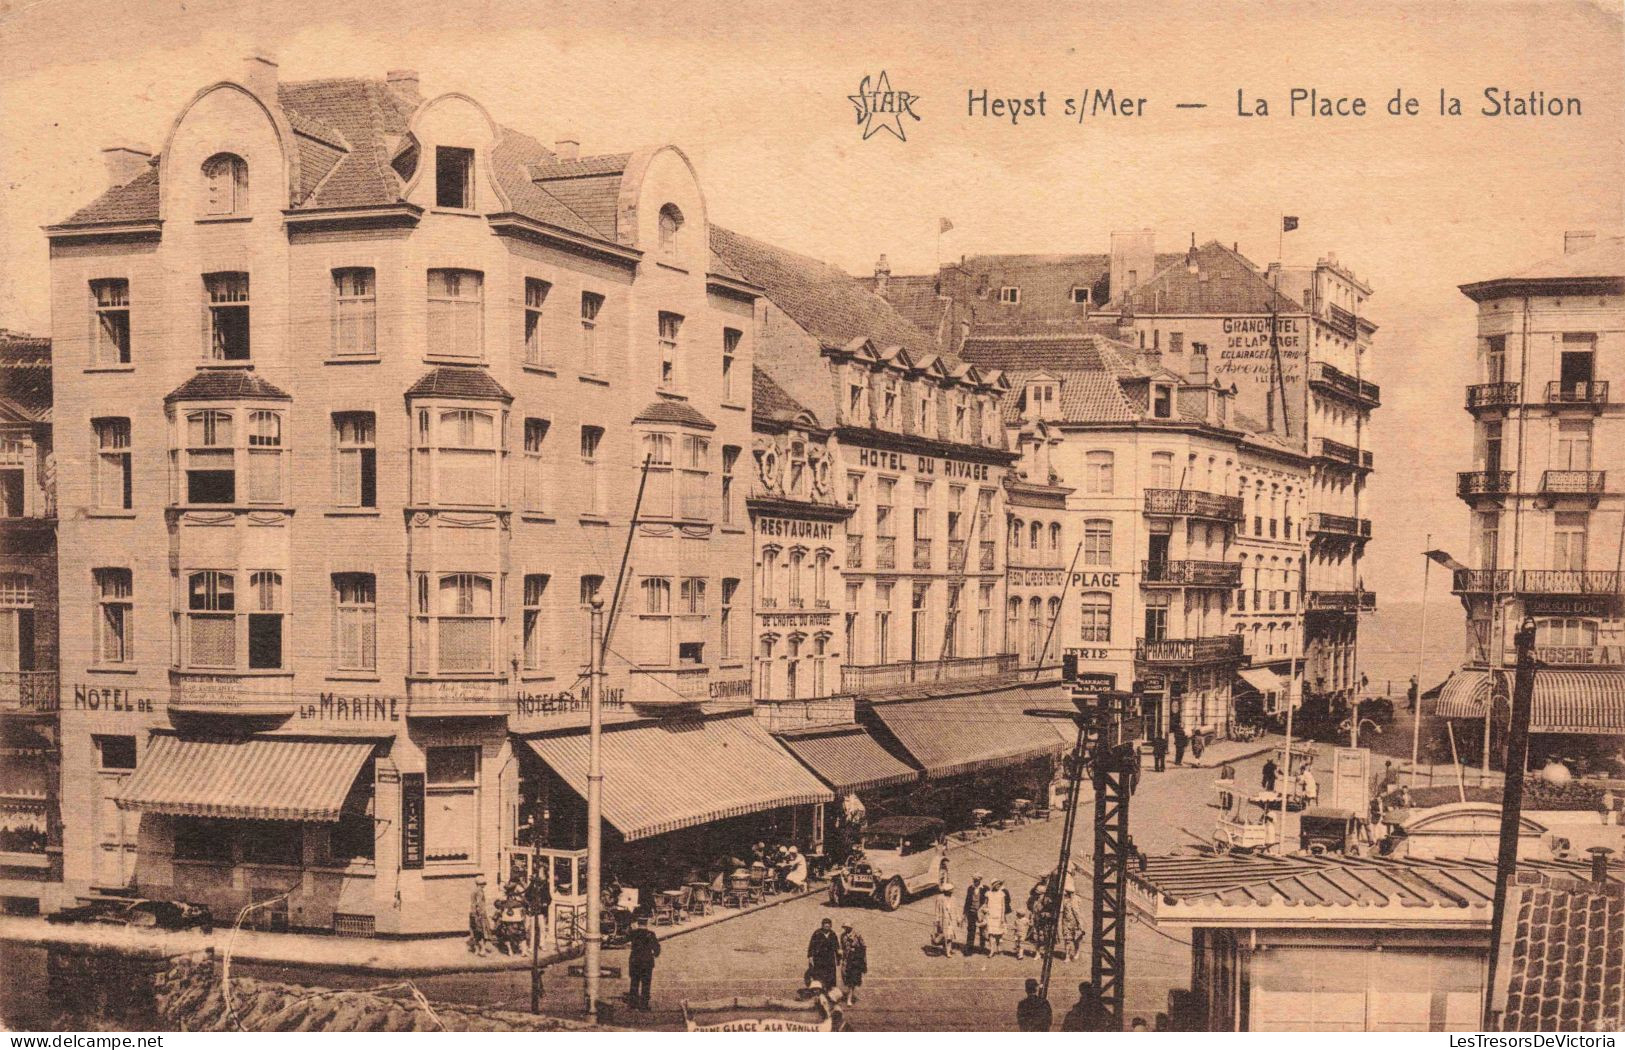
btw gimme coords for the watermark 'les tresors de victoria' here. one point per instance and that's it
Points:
(881, 108)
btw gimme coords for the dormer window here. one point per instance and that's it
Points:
(225, 184)
(1010, 294)
(453, 177)
(1162, 401)
(1041, 399)
(671, 220)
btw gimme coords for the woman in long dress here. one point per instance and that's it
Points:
(994, 910)
(948, 912)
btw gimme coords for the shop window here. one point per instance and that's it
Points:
(272, 842)
(110, 327)
(112, 480)
(355, 480)
(202, 839)
(355, 312)
(355, 835)
(451, 830)
(228, 316)
(355, 621)
(115, 616)
(115, 753)
(453, 177)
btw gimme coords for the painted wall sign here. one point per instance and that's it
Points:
(1090, 654)
(412, 806)
(335, 708)
(564, 702)
(791, 529)
(107, 698)
(803, 619)
(958, 470)
(1036, 577)
(735, 687)
(1096, 580)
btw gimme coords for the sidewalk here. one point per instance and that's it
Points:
(1221, 751)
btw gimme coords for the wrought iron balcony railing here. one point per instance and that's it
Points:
(922, 555)
(956, 555)
(1339, 525)
(987, 555)
(1190, 574)
(1492, 395)
(1593, 393)
(1347, 455)
(1340, 601)
(1483, 483)
(1325, 376)
(29, 691)
(854, 552)
(1188, 650)
(1193, 504)
(1537, 581)
(885, 552)
(1573, 482)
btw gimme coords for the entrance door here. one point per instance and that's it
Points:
(115, 835)
(1151, 715)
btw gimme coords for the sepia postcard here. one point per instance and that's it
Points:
(775, 517)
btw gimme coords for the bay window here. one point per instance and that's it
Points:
(206, 465)
(657, 493)
(457, 618)
(264, 457)
(696, 477)
(456, 314)
(265, 620)
(456, 456)
(211, 620)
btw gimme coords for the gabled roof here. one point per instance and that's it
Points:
(226, 384)
(1224, 282)
(769, 400)
(826, 302)
(916, 297)
(462, 381)
(25, 376)
(1089, 368)
(1564, 957)
(679, 412)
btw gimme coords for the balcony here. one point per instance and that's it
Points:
(1585, 483)
(1339, 525)
(1192, 504)
(29, 691)
(987, 556)
(1536, 581)
(956, 555)
(1590, 395)
(1182, 651)
(885, 552)
(1342, 321)
(855, 679)
(1474, 483)
(1220, 574)
(854, 552)
(922, 555)
(1326, 378)
(1492, 395)
(1344, 455)
(1340, 601)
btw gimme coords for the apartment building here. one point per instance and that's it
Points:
(30, 819)
(1544, 497)
(364, 402)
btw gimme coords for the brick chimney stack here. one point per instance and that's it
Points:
(567, 148)
(125, 161)
(404, 82)
(260, 75)
(882, 275)
(1599, 863)
(1578, 240)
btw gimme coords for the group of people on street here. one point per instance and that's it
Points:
(1304, 785)
(836, 964)
(980, 920)
(1159, 746)
(1088, 1014)
(517, 917)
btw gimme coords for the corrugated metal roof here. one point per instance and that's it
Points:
(661, 778)
(260, 778)
(1564, 701)
(849, 759)
(960, 734)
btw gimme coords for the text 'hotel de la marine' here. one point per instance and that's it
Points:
(357, 403)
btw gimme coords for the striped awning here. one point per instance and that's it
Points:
(1262, 679)
(847, 758)
(661, 778)
(962, 734)
(1564, 701)
(260, 778)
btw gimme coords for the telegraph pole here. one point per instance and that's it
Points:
(595, 806)
(1517, 757)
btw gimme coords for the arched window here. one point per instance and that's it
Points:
(671, 221)
(1012, 626)
(1054, 535)
(1035, 531)
(1016, 528)
(1035, 629)
(225, 184)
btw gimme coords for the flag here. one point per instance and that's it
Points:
(1289, 223)
(1443, 558)
(943, 225)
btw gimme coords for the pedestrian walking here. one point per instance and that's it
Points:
(948, 916)
(1020, 932)
(1180, 742)
(1411, 693)
(1159, 754)
(1033, 1013)
(538, 903)
(1271, 771)
(1070, 939)
(824, 957)
(1087, 1014)
(479, 919)
(1308, 787)
(995, 909)
(972, 910)
(640, 963)
(854, 961)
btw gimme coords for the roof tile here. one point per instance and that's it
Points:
(678, 412)
(467, 381)
(226, 384)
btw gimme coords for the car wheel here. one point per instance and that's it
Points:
(891, 898)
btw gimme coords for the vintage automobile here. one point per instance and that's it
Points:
(897, 856)
(155, 914)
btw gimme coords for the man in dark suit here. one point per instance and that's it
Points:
(640, 964)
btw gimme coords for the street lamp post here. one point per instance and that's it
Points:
(595, 792)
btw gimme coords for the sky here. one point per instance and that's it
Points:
(756, 95)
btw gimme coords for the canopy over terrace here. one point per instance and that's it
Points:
(258, 778)
(684, 772)
(1564, 701)
(949, 735)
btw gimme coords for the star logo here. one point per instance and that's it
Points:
(879, 108)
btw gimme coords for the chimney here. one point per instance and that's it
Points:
(1198, 367)
(882, 274)
(404, 82)
(567, 148)
(1133, 259)
(1578, 240)
(125, 161)
(1599, 863)
(260, 75)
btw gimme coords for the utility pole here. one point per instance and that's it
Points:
(1421, 658)
(1517, 757)
(595, 806)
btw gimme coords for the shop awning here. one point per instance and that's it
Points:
(261, 778)
(1262, 679)
(1564, 701)
(676, 775)
(847, 758)
(948, 736)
